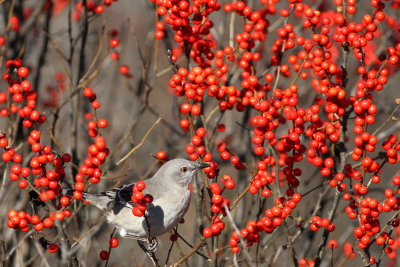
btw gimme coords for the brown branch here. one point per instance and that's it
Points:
(387, 120)
(133, 150)
(187, 256)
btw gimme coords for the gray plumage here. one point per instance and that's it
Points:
(169, 188)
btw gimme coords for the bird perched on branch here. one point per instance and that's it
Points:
(169, 188)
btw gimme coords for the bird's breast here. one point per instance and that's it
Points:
(164, 213)
(167, 212)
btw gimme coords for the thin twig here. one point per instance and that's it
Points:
(187, 243)
(88, 232)
(133, 150)
(12, 250)
(42, 256)
(109, 248)
(250, 260)
(387, 120)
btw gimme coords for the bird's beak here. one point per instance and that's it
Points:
(203, 165)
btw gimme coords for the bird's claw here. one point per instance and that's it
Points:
(152, 245)
(149, 247)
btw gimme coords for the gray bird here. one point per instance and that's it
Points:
(169, 188)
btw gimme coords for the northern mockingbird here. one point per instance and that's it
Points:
(169, 188)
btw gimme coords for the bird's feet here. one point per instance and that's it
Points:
(149, 246)
(152, 245)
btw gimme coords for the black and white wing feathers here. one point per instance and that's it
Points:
(119, 198)
(113, 200)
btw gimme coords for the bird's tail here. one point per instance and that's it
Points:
(66, 191)
(99, 200)
(70, 192)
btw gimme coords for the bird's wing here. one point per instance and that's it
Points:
(120, 197)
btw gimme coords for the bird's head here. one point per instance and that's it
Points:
(179, 171)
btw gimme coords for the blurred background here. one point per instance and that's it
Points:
(50, 44)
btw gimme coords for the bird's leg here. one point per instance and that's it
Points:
(151, 241)
(149, 249)
(152, 245)
(149, 245)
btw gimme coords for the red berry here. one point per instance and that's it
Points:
(124, 70)
(161, 155)
(47, 222)
(23, 72)
(103, 123)
(173, 237)
(22, 184)
(64, 201)
(140, 185)
(114, 242)
(114, 43)
(104, 255)
(332, 244)
(88, 92)
(207, 232)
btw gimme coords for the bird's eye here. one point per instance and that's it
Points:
(184, 169)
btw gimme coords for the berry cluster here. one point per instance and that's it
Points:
(114, 44)
(141, 200)
(191, 25)
(323, 124)
(21, 220)
(317, 222)
(96, 153)
(104, 254)
(91, 7)
(46, 165)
